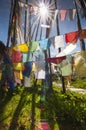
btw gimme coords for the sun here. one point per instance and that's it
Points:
(44, 11)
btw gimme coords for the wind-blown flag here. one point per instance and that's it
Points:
(71, 14)
(80, 63)
(56, 60)
(72, 37)
(66, 66)
(43, 44)
(63, 14)
(59, 41)
(67, 50)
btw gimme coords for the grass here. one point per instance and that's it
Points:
(23, 109)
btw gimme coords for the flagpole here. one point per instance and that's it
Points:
(58, 33)
(82, 44)
(26, 23)
(47, 54)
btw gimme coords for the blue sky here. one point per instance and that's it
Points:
(65, 26)
(4, 19)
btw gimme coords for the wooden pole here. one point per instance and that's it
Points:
(58, 33)
(47, 54)
(10, 22)
(26, 23)
(79, 27)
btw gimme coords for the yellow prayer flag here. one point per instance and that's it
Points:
(80, 63)
(18, 66)
(21, 47)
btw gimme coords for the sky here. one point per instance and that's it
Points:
(64, 26)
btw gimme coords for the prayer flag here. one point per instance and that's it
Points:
(56, 60)
(63, 14)
(72, 37)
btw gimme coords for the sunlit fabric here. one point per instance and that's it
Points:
(80, 63)
(27, 57)
(21, 47)
(66, 70)
(72, 37)
(67, 50)
(32, 46)
(66, 66)
(59, 41)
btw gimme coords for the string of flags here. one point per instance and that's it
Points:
(63, 13)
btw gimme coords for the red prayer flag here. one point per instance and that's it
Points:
(16, 56)
(72, 37)
(63, 14)
(56, 60)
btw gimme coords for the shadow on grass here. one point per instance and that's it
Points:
(14, 125)
(5, 98)
(32, 126)
(57, 119)
(14, 122)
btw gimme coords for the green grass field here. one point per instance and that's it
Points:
(24, 108)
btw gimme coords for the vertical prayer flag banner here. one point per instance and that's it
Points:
(80, 63)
